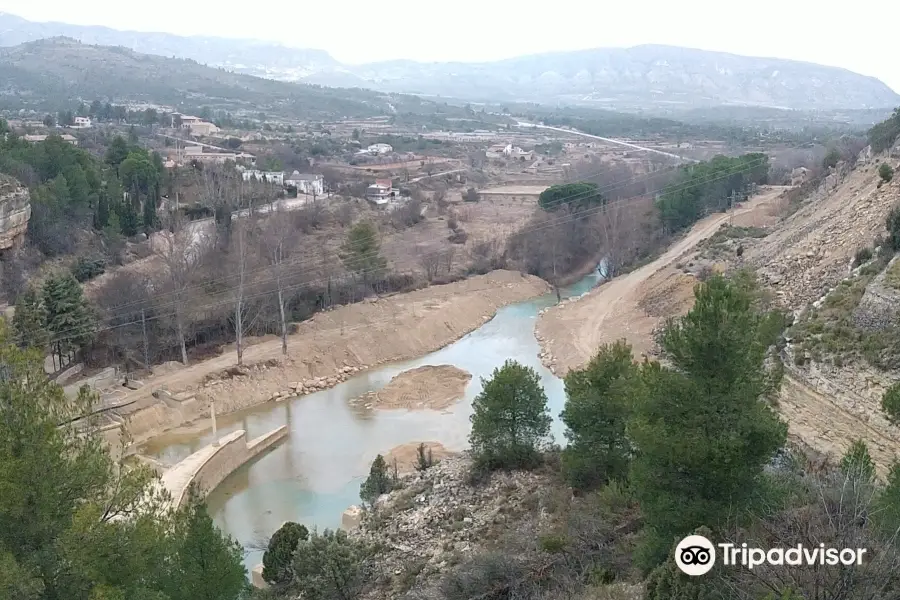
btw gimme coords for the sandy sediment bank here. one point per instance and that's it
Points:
(406, 456)
(325, 350)
(427, 387)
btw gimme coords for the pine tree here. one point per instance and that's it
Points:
(361, 252)
(149, 217)
(703, 430)
(30, 321)
(379, 481)
(101, 218)
(69, 319)
(279, 554)
(129, 221)
(511, 422)
(598, 399)
(209, 565)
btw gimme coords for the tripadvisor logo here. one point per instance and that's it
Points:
(696, 555)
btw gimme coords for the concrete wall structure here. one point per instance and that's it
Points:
(210, 465)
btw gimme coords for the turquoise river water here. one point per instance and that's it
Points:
(315, 474)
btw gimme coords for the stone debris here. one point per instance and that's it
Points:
(438, 514)
(813, 249)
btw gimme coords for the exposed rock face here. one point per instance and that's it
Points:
(15, 210)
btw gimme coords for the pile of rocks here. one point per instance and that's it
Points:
(317, 384)
(438, 515)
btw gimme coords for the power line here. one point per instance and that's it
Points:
(78, 332)
(310, 265)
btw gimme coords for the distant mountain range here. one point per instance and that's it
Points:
(643, 77)
(49, 73)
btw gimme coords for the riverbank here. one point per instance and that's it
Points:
(571, 333)
(324, 351)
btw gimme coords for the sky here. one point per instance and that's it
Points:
(855, 35)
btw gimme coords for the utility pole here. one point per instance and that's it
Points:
(212, 412)
(146, 345)
(731, 218)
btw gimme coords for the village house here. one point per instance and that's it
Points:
(203, 129)
(273, 177)
(40, 138)
(190, 153)
(508, 151)
(380, 149)
(309, 184)
(81, 123)
(380, 192)
(497, 150)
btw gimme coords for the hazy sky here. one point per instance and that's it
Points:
(855, 35)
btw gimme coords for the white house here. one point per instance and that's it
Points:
(81, 123)
(310, 184)
(274, 177)
(380, 149)
(498, 151)
(203, 128)
(186, 120)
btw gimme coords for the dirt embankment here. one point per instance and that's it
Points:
(348, 338)
(427, 387)
(801, 258)
(629, 307)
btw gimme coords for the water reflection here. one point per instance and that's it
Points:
(316, 472)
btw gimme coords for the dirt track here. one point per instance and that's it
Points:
(572, 332)
(631, 306)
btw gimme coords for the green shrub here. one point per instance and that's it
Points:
(86, 268)
(279, 554)
(886, 172)
(380, 481)
(890, 403)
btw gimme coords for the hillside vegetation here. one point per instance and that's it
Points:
(50, 73)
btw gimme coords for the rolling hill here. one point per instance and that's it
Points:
(50, 73)
(649, 77)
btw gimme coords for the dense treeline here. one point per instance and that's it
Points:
(71, 189)
(710, 186)
(77, 525)
(613, 215)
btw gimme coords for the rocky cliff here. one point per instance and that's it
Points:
(15, 210)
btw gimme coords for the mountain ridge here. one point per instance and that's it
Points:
(648, 76)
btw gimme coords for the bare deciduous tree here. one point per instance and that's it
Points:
(180, 248)
(431, 264)
(278, 239)
(242, 262)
